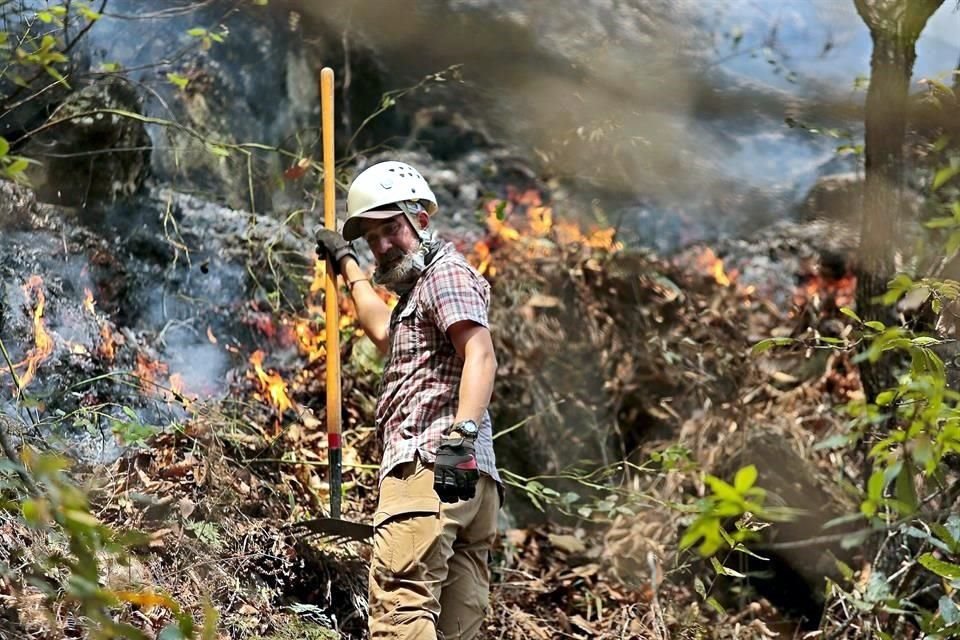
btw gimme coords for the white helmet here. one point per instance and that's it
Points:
(385, 183)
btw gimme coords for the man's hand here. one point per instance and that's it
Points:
(331, 244)
(455, 472)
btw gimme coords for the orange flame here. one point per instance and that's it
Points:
(88, 301)
(540, 223)
(178, 390)
(42, 342)
(107, 349)
(271, 384)
(711, 264)
(319, 276)
(818, 289)
(149, 370)
(311, 343)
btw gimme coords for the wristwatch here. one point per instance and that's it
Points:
(466, 428)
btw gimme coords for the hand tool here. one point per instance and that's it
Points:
(333, 527)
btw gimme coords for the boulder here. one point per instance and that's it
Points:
(89, 153)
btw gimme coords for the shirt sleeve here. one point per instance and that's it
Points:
(454, 292)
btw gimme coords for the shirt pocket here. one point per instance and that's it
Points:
(404, 333)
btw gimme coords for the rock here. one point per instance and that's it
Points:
(837, 198)
(798, 573)
(90, 155)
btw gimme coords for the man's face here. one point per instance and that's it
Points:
(396, 249)
(391, 240)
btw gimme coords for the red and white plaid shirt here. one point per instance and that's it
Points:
(420, 387)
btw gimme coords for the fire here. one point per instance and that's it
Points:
(319, 276)
(481, 256)
(42, 342)
(178, 390)
(149, 370)
(311, 343)
(539, 224)
(107, 349)
(271, 384)
(823, 291)
(709, 263)
(88, 301)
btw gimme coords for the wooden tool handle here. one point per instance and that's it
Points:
(332, 305)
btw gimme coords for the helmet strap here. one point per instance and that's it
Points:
(410, 210)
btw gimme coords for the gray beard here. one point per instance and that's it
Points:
(402, 276)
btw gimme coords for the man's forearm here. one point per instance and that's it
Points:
(476, 386)
(372, 312)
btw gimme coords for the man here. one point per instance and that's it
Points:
(439, 487)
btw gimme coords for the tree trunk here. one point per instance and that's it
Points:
(895, 26)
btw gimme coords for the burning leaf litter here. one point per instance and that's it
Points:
(620, 336)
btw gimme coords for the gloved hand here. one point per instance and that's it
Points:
(455, 473)
(331, 244)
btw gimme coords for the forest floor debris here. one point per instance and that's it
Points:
(653, 353)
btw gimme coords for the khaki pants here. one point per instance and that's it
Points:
(428, 575)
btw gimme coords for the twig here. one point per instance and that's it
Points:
(841, 629)
(656, 612)
(18, 385)
(11, 454)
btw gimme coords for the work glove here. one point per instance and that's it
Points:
(331, 245)
(455, 473)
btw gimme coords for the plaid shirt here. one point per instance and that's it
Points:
(420, 387)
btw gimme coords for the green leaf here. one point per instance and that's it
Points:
(948, 610)
(875, 486)
(699, 588)
(905, 490)
(725, 571)
(89, 13)
(850, 313)
(943, 175)
(833, 442)
(940, 567)
(4, 147)
(722, 489)
(218, 150)
(769, 343)
(82, 518)
(884, 398)
(178, 80)
(35, 512)
(197, 32)
(953, 244)
(945, 222)
(745, 478)
(56, 75)
(876, 325)
(716, 606)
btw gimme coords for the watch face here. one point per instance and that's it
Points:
(467, 427)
